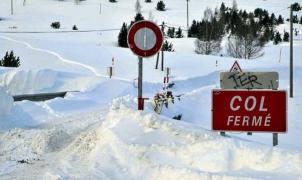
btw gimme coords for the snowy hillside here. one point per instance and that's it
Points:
(95, 132)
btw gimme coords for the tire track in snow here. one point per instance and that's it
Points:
(93, 70)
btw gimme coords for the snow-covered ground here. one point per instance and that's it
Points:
(95, 132)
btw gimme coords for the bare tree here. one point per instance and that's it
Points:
(252, 47)
(247, 47)
(208, 14)
(234, 47)
(207, 47)
(151, 16)
(209, 34)
(138, 6)
(235, 5)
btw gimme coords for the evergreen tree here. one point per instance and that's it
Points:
(10, 60)
(286, 37)
(223, 7)
(296, 32)
(296, 7)
(273, 36)
(267, 35)
(277, 38)
(138, 7)
(122, 37)
(171, 32)
(112, 1)
(295, 19)
(244, 15)
(179, 33)
(280, 20)
(55, 25)
(167, 46)
(193, 30)
(265, 21)
(227, 20)
(273, 19)
(161, 6)
(222, 13)
(235, 22)
(148, 1)
(258, 12)
(138, 17)
(74, 27)
(301, 20)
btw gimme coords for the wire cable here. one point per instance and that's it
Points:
(69, 31)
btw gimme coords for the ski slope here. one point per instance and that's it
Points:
(95, 132)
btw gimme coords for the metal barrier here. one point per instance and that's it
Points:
(39, 97)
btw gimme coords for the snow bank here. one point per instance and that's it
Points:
(6, 102)
(45, 80)
(135, 145)
(123, 143)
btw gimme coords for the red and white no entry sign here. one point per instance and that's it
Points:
(145, 38)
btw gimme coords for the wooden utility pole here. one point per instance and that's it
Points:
(11, 7)
(187, 14)
(162, 52)
(157, 59)
(291, 81)
(162, 49)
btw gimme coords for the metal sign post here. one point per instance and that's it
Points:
(145, 39)
(140, 84)
(291, 66)
(245, 108)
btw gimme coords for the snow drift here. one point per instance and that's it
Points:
(44, 80)
(6, 102)
(127, 144)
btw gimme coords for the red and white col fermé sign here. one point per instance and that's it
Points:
(249, 111)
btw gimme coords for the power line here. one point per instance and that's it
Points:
(275, 12)
(184, 29)
(46, 32)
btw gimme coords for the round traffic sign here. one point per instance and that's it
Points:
(145, 38)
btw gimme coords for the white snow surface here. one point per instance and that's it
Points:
(6, 102)
(95, 132)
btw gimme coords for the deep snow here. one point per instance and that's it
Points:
(6, 102)
(96, 131)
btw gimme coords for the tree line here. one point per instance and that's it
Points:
(246, 32)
